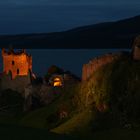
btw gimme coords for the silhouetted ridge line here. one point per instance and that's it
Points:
(119, 34)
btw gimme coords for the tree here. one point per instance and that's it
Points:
(53, 70)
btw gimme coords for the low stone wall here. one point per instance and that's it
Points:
(17, 84)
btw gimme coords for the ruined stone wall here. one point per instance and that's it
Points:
(96, 63)
(18, 64)
(18, 83)
(136, 53)
(136, 48)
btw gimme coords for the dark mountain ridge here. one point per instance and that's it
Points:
(119, 34)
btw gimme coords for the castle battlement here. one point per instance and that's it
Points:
(17, 63)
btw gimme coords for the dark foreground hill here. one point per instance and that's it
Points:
(14, 132)
(108, 99)
(119, 34)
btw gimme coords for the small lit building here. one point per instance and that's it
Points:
(56, 80)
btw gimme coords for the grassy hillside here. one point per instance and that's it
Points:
(112, 96)
(105, 106)
(14, 132)
(11, 106)
(50, 116)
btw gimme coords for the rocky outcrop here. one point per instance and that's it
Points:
(96, 63)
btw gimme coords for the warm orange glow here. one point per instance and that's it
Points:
(16, 63)
(57, 79)
(57, 82)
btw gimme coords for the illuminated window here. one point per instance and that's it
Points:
(17, 71)
(57, 82)
(13, 62)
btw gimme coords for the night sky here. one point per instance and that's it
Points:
(37, 16)
(42, 16)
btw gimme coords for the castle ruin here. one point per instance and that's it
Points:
(17, 70)
(94, 64)
(17, 63)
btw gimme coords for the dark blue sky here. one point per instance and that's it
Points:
(37, 16)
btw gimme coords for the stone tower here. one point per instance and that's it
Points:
(16, 63)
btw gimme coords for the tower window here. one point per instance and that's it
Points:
(13, 62)
(17, 71)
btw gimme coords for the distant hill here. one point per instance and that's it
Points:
(119, 34)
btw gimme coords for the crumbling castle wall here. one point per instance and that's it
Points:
(96, 63)
(18, 83)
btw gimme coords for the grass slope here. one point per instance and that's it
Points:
(9, 132)
(78, 124)
(48, 117)
(115, 85)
